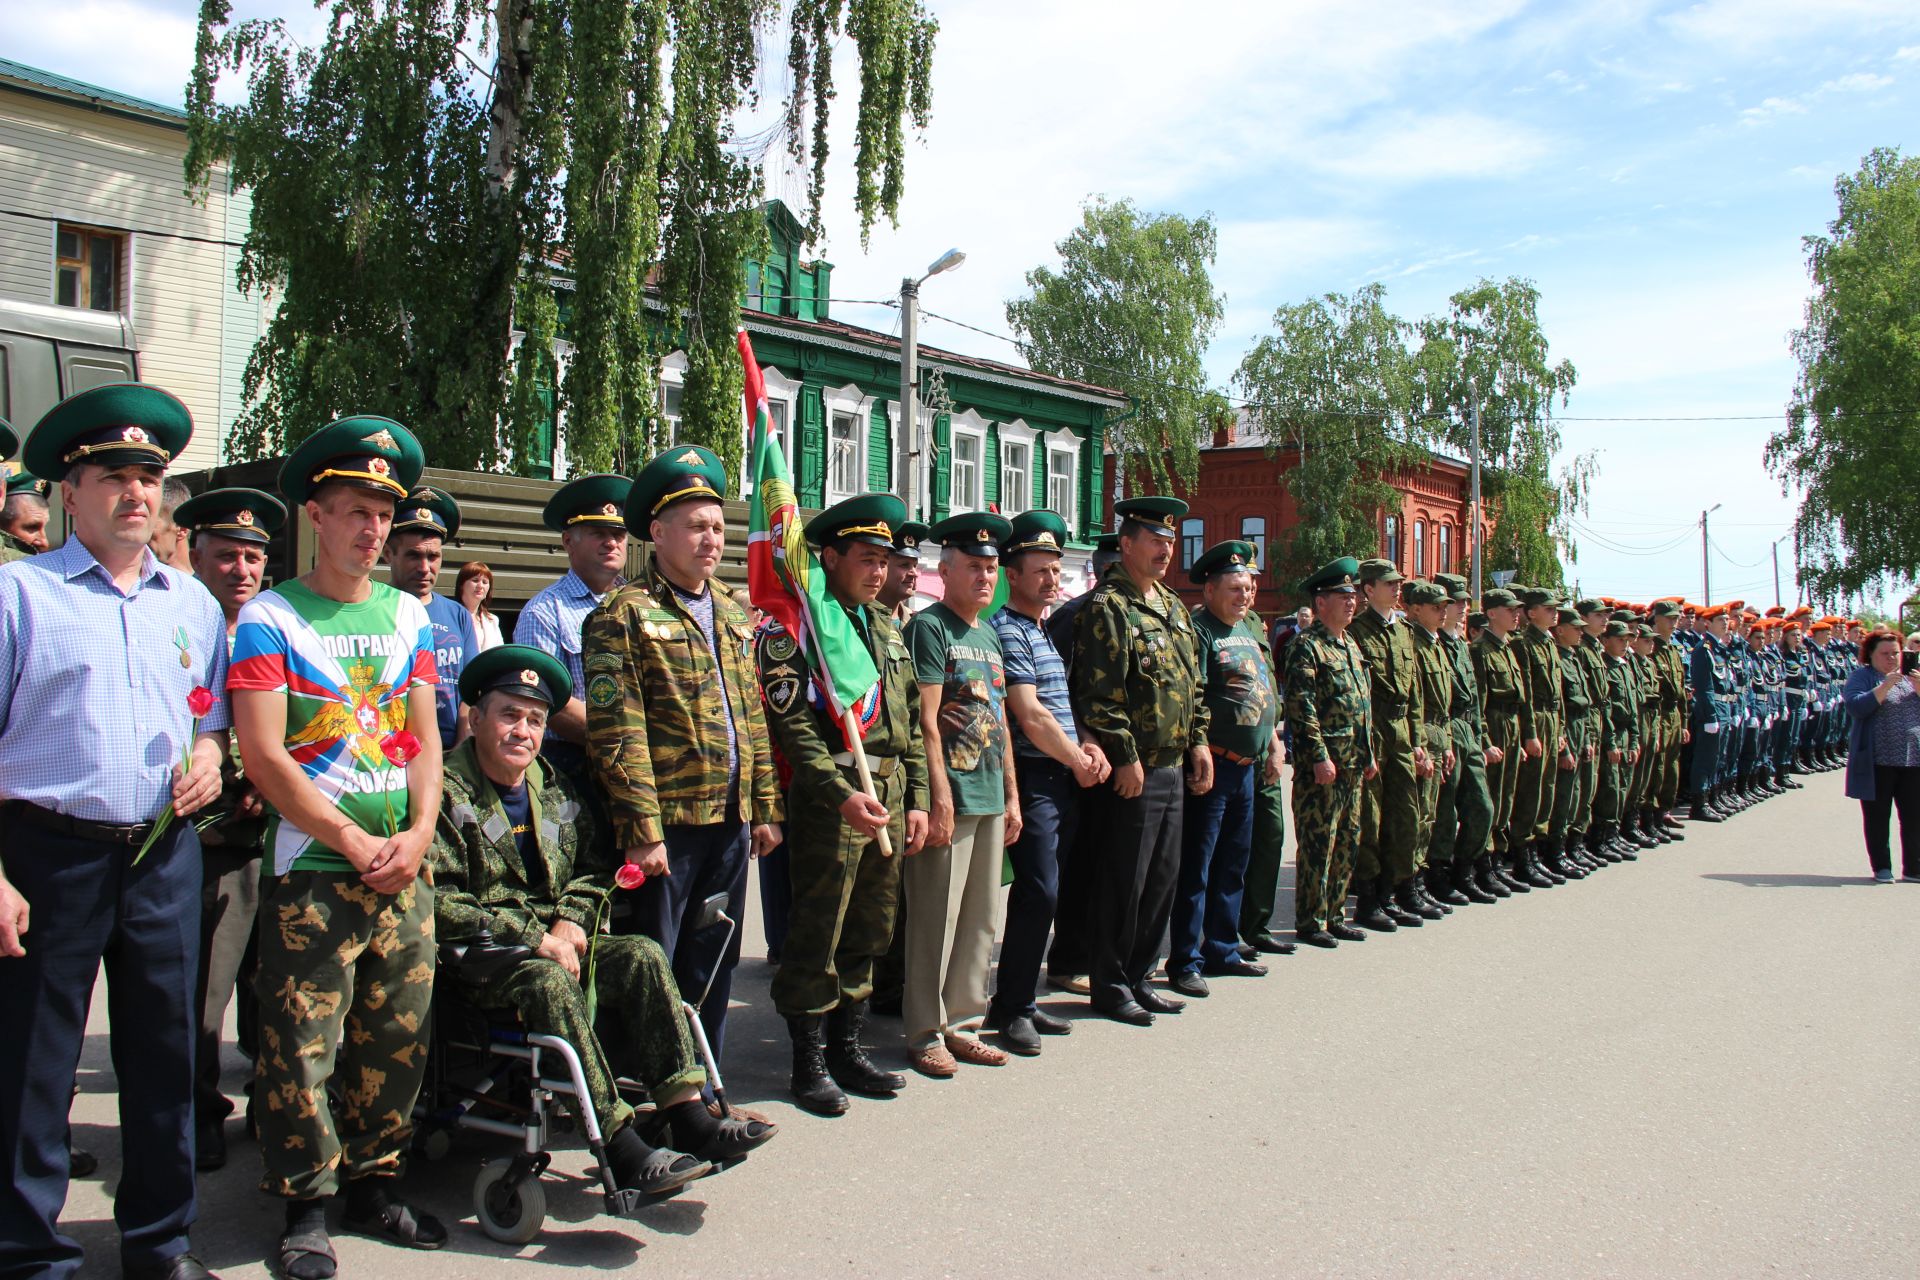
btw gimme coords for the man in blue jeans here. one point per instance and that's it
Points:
(1051, 765)
(1217, 831)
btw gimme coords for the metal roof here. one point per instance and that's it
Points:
(51, 85)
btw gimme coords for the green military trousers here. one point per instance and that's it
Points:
(846, 896)
(345, 986)
(1666, 765)
(1573, 791)
(1389, 814)
(1538, 784)
(1640, 785)
(1264, 861)
(1435, 791)
(1326, 831)
(1503, 780)
(1468, 822)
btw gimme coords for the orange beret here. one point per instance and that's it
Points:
(1789, 624)
(1778, 611)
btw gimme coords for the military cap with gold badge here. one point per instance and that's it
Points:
(1223, 558)
(27, 482)
(427, 510)
(1153, 512)
(366, 451)
(117, 425)
(1034, 531)
(597, 501)
(681, 473)
(907, 537)
(519, 669)
(1333, 577)
(869, 518)
(978, 533)
(245, 515)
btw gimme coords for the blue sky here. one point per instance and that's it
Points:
(1651, 166)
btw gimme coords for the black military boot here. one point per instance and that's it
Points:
(1407, 894)
(1676, 830)
(1526, 869)
(1538, 852)
(1703, 810)
(847, 1059)
(1601, 843)
(1466, 882)
(1489, 880)
(1651, 824)
(1638, 833)
(812, 1087)
(1368, 913)
(1436, 886)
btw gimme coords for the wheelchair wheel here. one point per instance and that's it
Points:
(433, 1145)
(509, 1211)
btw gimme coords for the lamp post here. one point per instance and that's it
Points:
(1706, 576)
(907, 441)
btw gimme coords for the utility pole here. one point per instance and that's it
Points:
(1473, 402)
(1706, 572)
(1776, 567)
(906, 444)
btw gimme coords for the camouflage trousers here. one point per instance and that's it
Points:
(1390, 813)
(1263, 863)
(1666, 762)
(637, 1029)
(345, 986)
(1465, 815)
(1537, 787)
(1326, 831)
(846, 895)
(1503, 779)
(1573, 796)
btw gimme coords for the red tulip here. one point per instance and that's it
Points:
(200, 701)
(629, 876)
(399, 747)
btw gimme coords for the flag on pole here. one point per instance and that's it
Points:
(785, 581)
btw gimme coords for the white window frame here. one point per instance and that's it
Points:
(1065, 442)
(785, 392)
(1018, 434)
(848, 400)
(673, 373)
(926, 416)
(971, 425)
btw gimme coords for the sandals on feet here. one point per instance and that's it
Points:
(307, 1255)
(735, 1136)
(399, 1224)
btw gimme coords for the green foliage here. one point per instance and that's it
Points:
(1852, 440)
(1490, 339)
(1133, 308)
(412, 210)
(1328, 384)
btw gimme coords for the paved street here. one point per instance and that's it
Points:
(1695, 1065)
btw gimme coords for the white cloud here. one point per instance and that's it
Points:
(1753, 26)
(1771, 109)
(1407, 147)
(1907, 53)
(1857, 82)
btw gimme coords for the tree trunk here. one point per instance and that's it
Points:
(512, 69)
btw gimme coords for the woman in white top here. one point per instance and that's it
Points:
(473, 588)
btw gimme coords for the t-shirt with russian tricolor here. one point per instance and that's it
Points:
(346, 670)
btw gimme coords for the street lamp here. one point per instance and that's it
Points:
(907, 442)
(1706, 592)
(1776, 567)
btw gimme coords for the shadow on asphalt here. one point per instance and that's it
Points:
(1766, 880)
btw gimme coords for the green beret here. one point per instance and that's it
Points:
(1498, 598)
(245, 515)
(1378, 570)
(1455, 585)
(519, 669)
(1035, 531)
(1333, 577)
(9, 440)
(909, 534)
(427, 510)
(683, 472)
(1617, 630)
(1419, 592)
(978, 533)
(598, 500)
(367, 452)
(116, 425)
(1570, 618)
(1585, 607)
(1152, 512)
(1536, 597)
(27, 482)
(1223, 558)
(869, 518)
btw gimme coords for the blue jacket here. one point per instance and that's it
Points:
(1862, 707)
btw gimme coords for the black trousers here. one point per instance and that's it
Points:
(1895, 788)
(703, 861)
(1134, 869)
(1049, 821)
(91, 905)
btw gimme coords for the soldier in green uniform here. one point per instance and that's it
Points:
(896, 597)
(1389, 853)
(1545, 745)
(23, 517)
(1505, 706)
(1619, 734)
(676, 737)
(1579, 702)
(1426, 605)
(518, 857)
(1588, 654)
(845, 890)
(1268, 848)
(1330, 722)
(1670, 665)
(1136, 671)
(1459, 847)
(1637, 821)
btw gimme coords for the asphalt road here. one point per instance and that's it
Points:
(1694, 1065)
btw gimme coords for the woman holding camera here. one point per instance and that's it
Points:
(1883, 751)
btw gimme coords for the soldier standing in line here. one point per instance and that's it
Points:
(1670, 666)
(1592, 658)
(1461, 832)
(1329, 720)
(1389, 852)
(1797, 693)
(1640, 777)
(1136, 673)
(1546, 753)
(1579, 702)
(1502, 683)
(896, 597)
(1268, 847)
(845, 890)
(676, 736)
(1710, 715)
(1620, 740)
(1426, 604)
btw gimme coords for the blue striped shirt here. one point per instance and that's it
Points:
(553, 621)
(97, 717)
(1028, 657)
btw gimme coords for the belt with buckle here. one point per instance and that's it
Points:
(1233, 756)
(79, 828)
(878, 766)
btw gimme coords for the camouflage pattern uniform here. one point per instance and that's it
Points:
(1390, 806)
(1504, 704)
(1670, 666)
(481, 882)
(1437, 693)
(1580, 703)
(1329, 717)
(12, 549)
(1460, 833)
(846, 894)
(229, 949)
(1269, 831)
(1539, 662)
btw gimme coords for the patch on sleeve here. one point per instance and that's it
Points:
(782, 692)
(603, 691)
(780, 646)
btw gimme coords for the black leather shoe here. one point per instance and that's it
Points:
(1129, 1012)
(1048, 1025)
(1153, 1002)
(180, 1267)
(1345, 932)
(1017, 1034)
(1237, 969)
(1320, 938)
(209, 1146)
(1189, 983)
(1267, 944)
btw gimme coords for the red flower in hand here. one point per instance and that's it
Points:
(629, 876)
(200, 701)
(399, 747)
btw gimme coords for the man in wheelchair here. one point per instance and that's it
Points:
(519, 856)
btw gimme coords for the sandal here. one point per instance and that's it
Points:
(735, 1136)
(933, 1060)
(969, 1050)
(396, 1222)
(666, 1171)
(298, 1246)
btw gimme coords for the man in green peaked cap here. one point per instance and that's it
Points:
(903, 570)
(23, 517)
(416, 549)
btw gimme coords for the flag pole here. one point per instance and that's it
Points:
(852, 727)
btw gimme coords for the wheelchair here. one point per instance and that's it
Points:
(485, 1074)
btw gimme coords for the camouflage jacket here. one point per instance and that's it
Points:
(656, 721)
(1620, 728)
(1437, 691)
(1137, 672)
(1539, 661)
(809, 736)
(12, 549)
(1671, 666)
(1329, 703)
(1399, 711)
(479, 880)
(1469, 724)
(1503, 689)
